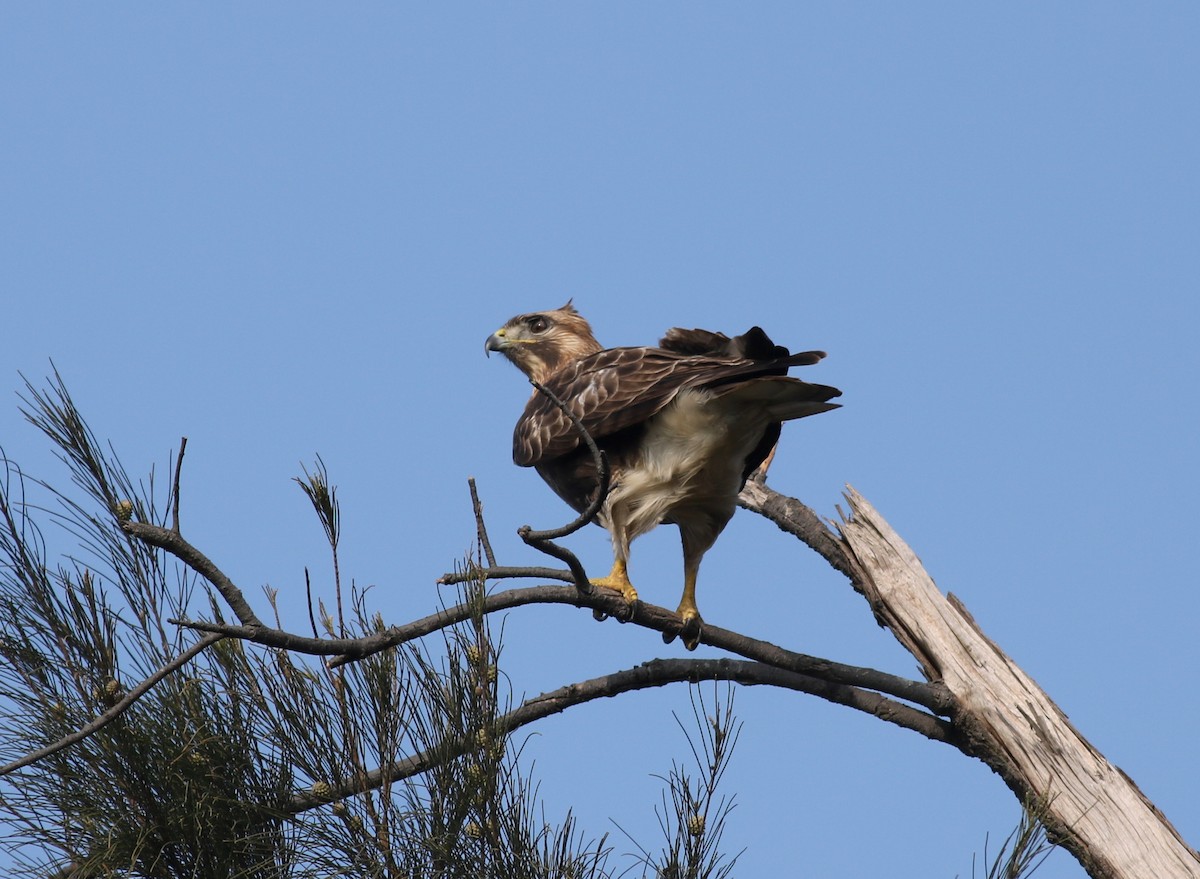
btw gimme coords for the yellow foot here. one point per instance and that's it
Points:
(618, 584)
(618, 581)
(691, 629)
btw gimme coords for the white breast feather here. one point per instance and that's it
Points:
(691, 451)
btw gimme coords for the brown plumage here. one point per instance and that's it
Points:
(683, 426)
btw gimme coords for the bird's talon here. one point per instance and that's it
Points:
(599, 615)
(691, 629)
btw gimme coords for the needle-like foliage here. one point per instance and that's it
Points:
(199, 776)
(149, 792)
(145, 735)
(1023, 851)
(693, 814)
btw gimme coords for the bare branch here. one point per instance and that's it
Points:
(930, 696)
(480, 527)
(542, 540)
(173, 542)
(175, 485)
(798, 520)
(656, 673)
(117, 710)
(506, 572)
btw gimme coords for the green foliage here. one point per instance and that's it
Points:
(244, 761)
(148, 793)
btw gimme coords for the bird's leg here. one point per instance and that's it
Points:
(693, 625)
(689, 614)
(618, 577)
(697, 538)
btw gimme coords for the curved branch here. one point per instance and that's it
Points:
(117, 710)
(173, 542)
(930, 696)
(602, 474)
(657, 673)
(798, 520)
(543, 540)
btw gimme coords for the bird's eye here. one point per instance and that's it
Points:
(539, 324)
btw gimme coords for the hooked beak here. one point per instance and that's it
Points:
(495, 342)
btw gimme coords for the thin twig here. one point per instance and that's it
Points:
(480, 527)
(312, 620)
(117, 710)
(175, 485)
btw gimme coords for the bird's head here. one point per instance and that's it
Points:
(542, 342)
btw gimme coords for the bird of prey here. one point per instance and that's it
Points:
(683, 425)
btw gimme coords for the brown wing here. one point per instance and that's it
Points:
(618, 388)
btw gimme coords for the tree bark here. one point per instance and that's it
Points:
(1087, 805)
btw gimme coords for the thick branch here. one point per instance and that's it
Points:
(656, 673)
(796, 519)
(1005, 719)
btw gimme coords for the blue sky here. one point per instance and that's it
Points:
(286, 229)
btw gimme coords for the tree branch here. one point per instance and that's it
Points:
(657, 673)
(173, 542)
(798, 520)
(175, 485)
(506, 572)
(543, 540)
(480, 527)
(1006, 720)
(650, 616)
(117, 710)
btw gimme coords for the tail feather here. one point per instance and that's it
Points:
(781, 397)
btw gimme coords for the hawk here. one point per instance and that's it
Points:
(683, 426)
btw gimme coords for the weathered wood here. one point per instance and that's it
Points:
(1092, 808)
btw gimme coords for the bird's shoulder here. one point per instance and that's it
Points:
(608, 391)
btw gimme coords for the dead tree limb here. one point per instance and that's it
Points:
(1005, 719)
